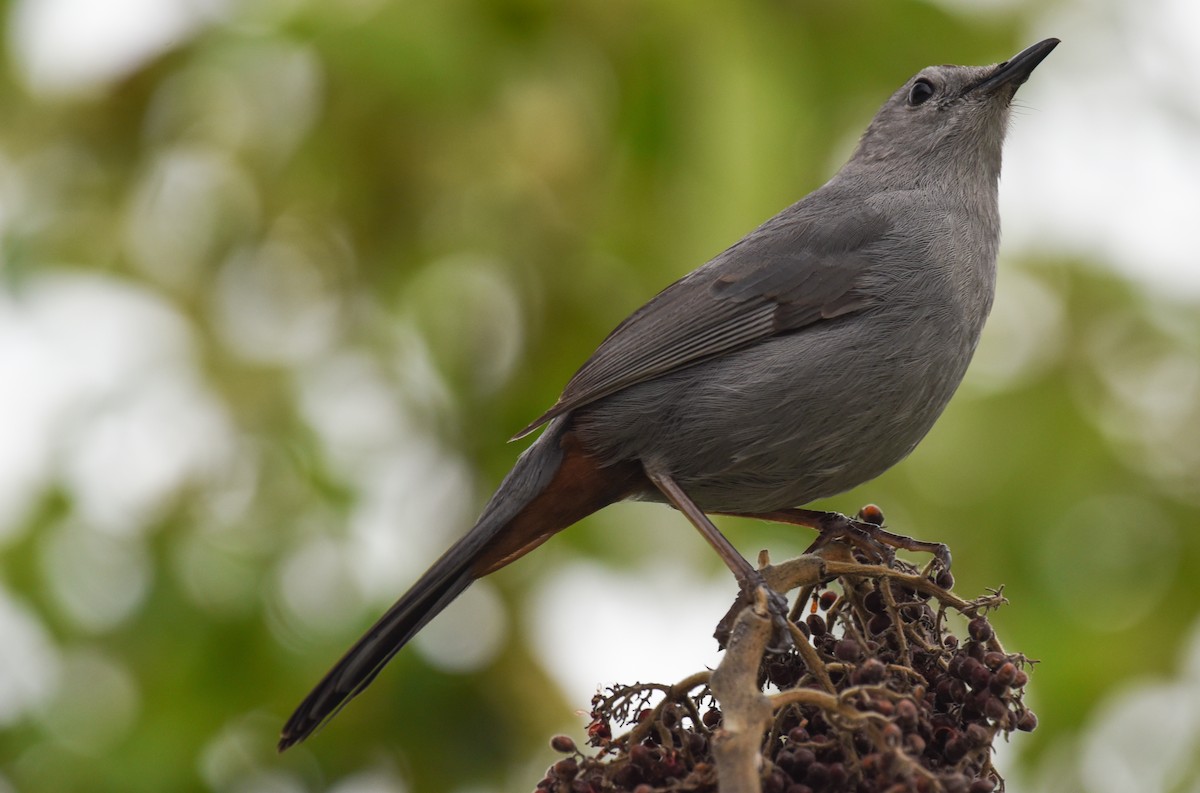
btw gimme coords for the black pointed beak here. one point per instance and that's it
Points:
(1017, 70)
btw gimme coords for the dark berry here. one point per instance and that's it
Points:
(816, 624)
(871, 514)
(847, 650)
(994, 660)
(1027, 721)
(566, 768)
(870, 672)
(879, 624)
(804, 757)
(956, 783)
(828, 598)
(980, 629)
(972, 705)
(955, 750)
(562, 743)
(626, 776)
(943, 735)
(817, 776)
(977, 735)
(969, 668)
(901, 593)
(642, 756)
(777, 782)
(996, 710)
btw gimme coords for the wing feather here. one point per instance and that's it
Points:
(789, 273)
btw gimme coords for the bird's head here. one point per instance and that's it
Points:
(946, 118)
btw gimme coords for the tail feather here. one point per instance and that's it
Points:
(362, 662)
(468, 559)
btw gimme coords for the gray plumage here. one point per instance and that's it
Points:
(811, 356)
(818, 351)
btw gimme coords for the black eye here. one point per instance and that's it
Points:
(921, 91)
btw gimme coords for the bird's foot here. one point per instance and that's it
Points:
(777, 610)
(865, 532)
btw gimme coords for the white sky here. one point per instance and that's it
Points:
(1103, 159)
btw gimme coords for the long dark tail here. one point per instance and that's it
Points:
(552, 485)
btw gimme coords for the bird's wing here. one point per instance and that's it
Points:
(789, 273)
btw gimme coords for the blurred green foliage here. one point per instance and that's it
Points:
(454, 202)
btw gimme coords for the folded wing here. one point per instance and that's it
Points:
(790, 273)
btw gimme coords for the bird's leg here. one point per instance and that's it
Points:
(864, 531)
(748, 578)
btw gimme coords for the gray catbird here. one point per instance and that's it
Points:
(809, 357)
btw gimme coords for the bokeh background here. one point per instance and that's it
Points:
(280, 277)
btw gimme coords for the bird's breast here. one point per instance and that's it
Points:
(790, 419)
